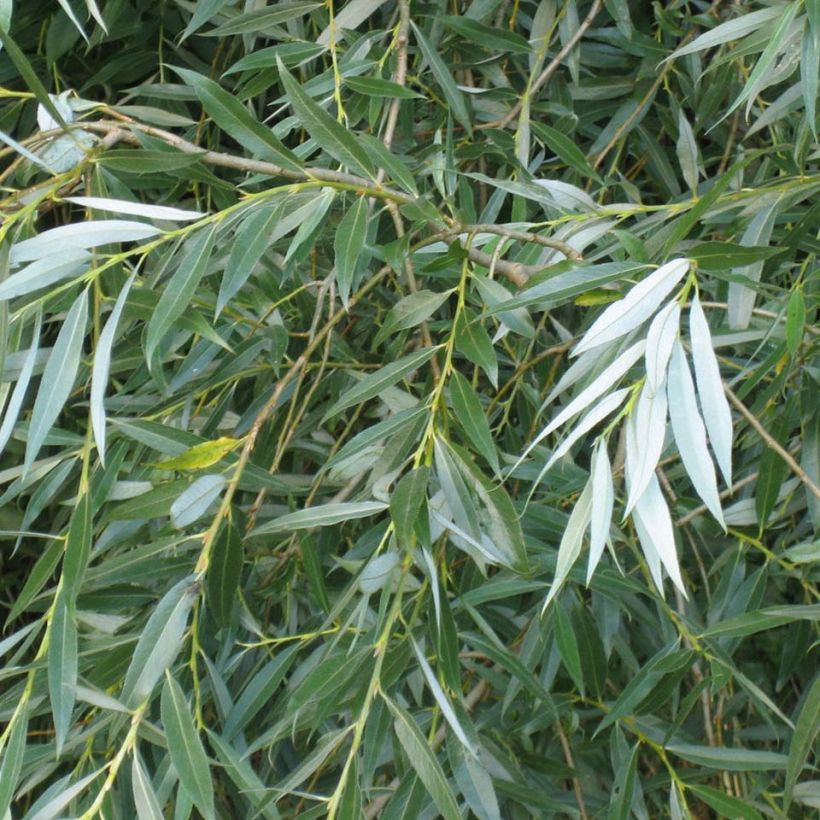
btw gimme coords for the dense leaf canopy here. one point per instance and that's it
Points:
(409, 408)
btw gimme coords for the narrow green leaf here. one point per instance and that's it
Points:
(72, 263)
(145, 798)
(564, 148)
(224, 571)
(724, 804)
(234, 119)
(620, 802)
(30, 77)
(350, 804)
(331, 135)
(62, 668)
(18, 395)
(565, 286)
(241, 772)
(470, 416)
(348, 246)
(487, 37)
(12, 762)
(766, 60)
(185, 747)
(795, 320)
(258, 691)
(590, 649)
(42, 570)
(733, 760)
(727, 255)
(568, 647)
(77, 547)
(179, 290)
(411, 311)
(807, 725)
(760, 620)
(570, 547)
(406, 501)
(261, 20)
(642, 684)
(102, 367)
(772, 469)
(325, 515)
(250, 242)
(475, 343)
(159, 643)
(194, 502)
(424, 761)
(444, 77)
(374, 383)
(58, 377)
(383, 89)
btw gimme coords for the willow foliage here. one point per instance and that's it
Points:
(409, 409)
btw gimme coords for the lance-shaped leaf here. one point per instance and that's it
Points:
(406, 502)
(307, 230)
(331, 135)
(145, 799)
(375, 383)
(102, 366)
(325, 515)
(455, 98)
(179, 290)
(348, 245)
(654, 525)
(72, 262)
(185, 747)
(410, 311)
(11, 763)
(234, 119)
(635, 308)
(195, 501)
(659, 340)
(603, 501)
(224, 571)
(609, 378)
(690, 434)
(741, 298)
(442, 700)
(647, 425)
(80, 235)
(58, 377)
(62, 668)
(595, 416)
(424, 762)
(252, 239)
(20, 388)
(716, 412)
(124, 206)
(470, 415)
(570, 547)
(730, 30)
(159, 643)
(687, 151)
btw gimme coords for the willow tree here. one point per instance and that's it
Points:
(408, 409)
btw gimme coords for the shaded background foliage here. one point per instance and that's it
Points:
(258, 556)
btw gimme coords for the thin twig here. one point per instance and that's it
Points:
(521, 236)
(544, 76)
(576, 783)
(728, 492)
(400, 75)
(770, 442)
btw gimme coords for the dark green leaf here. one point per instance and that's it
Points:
(185, 747)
